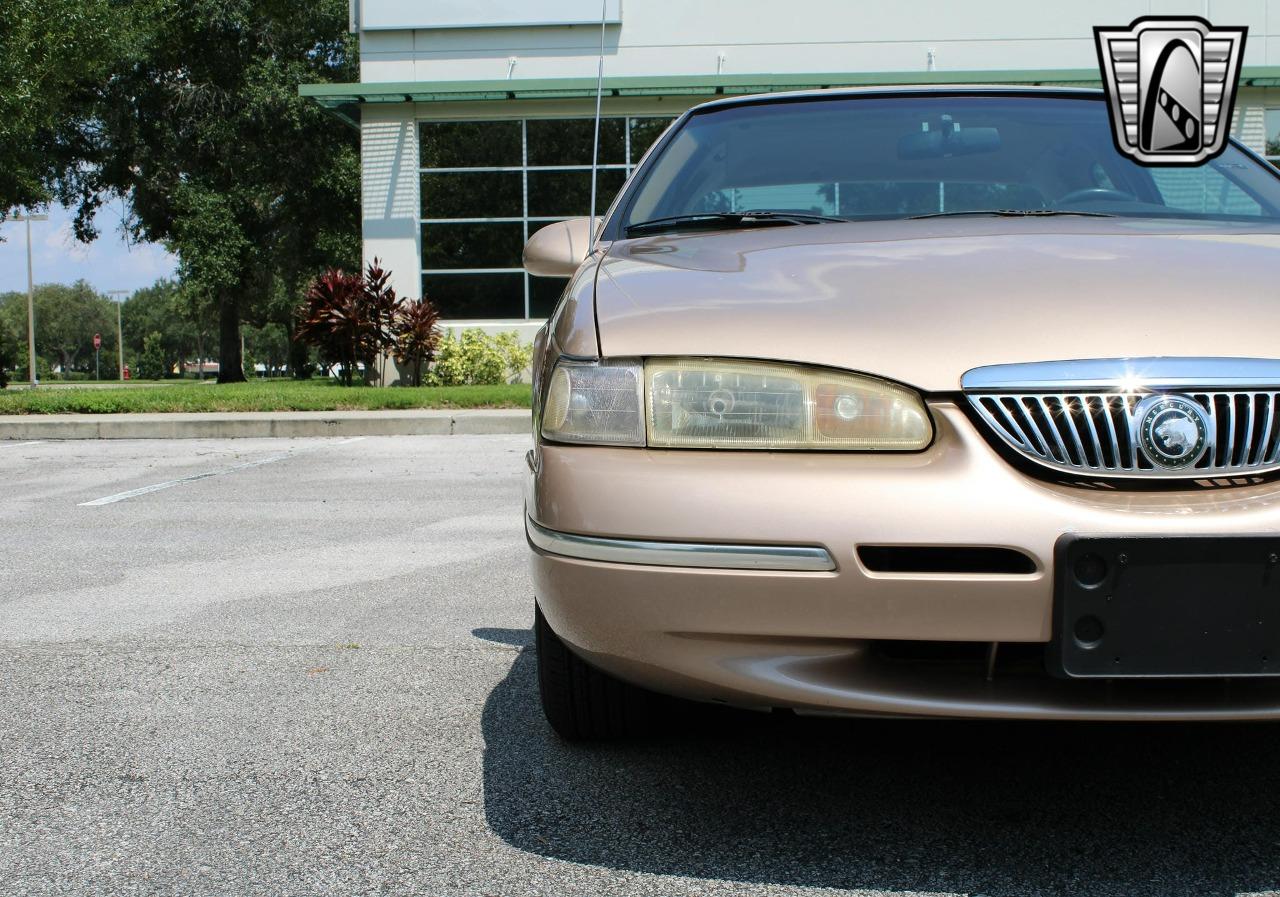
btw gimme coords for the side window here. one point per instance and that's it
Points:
(1203, 191)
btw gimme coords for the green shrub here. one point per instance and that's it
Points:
(151, 363)
(22, 370)
(515, 354)
(476, 358)
(471, 358)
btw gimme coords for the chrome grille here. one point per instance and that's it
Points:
(1092, 433)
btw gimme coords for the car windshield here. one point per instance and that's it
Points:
(900, 157)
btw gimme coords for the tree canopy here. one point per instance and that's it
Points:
(54, 56)
(69, 316)
(190, 112)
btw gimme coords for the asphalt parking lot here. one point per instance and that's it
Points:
(304, 667)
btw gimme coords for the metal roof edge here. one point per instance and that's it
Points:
(706, 85)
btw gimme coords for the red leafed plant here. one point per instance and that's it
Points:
(383, 309)
(417, 336)
(349, 318)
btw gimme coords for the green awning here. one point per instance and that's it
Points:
(344, 99)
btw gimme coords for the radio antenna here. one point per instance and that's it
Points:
(595, 142)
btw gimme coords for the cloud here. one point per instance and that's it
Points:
(108, 263)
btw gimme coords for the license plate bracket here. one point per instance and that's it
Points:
(1166, 607)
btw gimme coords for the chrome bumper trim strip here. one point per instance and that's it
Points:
(680, 554)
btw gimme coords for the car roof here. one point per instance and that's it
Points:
(904, 90)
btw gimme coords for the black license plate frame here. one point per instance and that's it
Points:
(1166, 607)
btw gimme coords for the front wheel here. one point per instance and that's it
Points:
(581, 702)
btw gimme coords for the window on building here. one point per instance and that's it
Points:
(488, 185)
(1273, 136)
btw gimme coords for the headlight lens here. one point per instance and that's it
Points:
(724, 404)
(595, 403)
(697, 403)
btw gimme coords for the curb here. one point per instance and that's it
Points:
(258, 424)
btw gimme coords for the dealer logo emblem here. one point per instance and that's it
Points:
(1172, 431)
(1171, 86)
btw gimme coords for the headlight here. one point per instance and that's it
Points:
(695, 403)
(705, 403)
(600, 403)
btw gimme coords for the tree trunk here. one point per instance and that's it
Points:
(230, 361)
(298, 357)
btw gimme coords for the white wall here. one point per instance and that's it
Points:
(753, 36)
(389, 206)
(382, 14)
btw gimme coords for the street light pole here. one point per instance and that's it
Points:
(31, 296)
(119, 329)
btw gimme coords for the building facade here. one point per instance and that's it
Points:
(476, 116)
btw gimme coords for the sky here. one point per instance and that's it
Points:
(108, 263)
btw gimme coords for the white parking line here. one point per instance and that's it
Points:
(18, 444)
(156, 487)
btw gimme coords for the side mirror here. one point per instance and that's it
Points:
(559, 248)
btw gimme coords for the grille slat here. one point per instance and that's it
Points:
(1264, 434)
(1052, 428)
(1275, 436)
(1006, 414)
(1094, 433)
(1105, 403)
(1230, 452)
(1127, 406)
(1068, 414)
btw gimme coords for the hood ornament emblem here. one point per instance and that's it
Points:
(1172, 431)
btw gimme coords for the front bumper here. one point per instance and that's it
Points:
(808, 639)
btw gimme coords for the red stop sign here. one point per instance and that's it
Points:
(97, 340)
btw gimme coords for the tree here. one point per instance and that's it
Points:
(151, 360)
(218, 157)
(53, 55)
(12, 336)
(8, 353)
(67, 318)
(268, 344)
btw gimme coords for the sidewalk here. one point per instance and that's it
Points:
(419, 422)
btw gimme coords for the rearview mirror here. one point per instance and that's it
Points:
(559, 248)
(939, 143)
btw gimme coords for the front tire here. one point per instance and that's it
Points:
(581, 702)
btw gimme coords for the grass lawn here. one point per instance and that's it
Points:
(261, 395)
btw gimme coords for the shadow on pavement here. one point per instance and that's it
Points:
(977, 808)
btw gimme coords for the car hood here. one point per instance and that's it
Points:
(921, 302)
